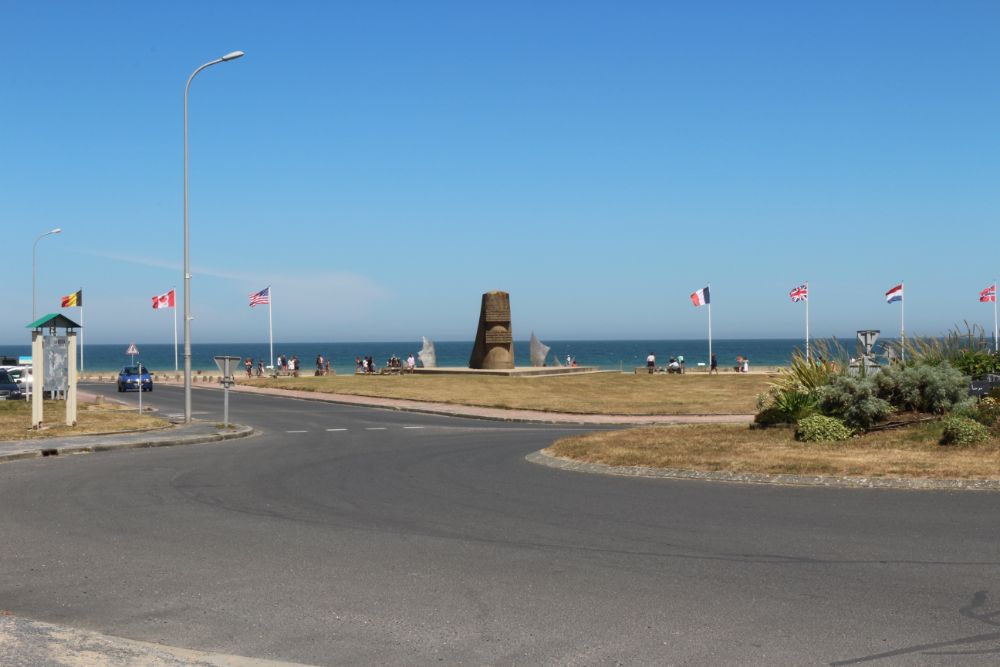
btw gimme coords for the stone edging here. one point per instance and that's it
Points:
(40, 450)
(541, 458)
(514, 415)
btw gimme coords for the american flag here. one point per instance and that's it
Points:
(989, 295)
(261, 298)
(800, 293)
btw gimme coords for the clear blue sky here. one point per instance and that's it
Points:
(382, 164)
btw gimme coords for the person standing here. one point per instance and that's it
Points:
(248, 364)
(651, 362)
(713, 366)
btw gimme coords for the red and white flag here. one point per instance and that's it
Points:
(800, 293)
(701, 297)
(164, 300)
(989, 295)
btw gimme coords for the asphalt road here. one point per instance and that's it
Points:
(345, 535)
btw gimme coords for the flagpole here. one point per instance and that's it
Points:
(270, 327)
(807, 321)
(710, 325)
(996, 340)
(902, 325)
(176, 365)
(81, 338)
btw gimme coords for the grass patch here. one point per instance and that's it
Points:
(15, 420)
(909, 452)
(605, 393)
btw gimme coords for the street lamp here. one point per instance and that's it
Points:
(187, 259)
(57, 230)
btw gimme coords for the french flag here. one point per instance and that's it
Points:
(701, 297)
(894, 294)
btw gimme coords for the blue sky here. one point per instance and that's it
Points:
(383, 164)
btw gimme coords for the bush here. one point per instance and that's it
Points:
(853, 400)
(785, 405)
(818, 428)
(925, 388)
(770, 417)
(976, 364)
(963, 431)
(987, 412)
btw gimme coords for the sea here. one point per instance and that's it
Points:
(603, 354)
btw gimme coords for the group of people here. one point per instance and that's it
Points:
(366, 365)
(284, 364)
(249, 366)
(676, 364)
(322, 365)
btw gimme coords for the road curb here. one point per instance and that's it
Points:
(40, 450)
(894, 483)
(553, 418)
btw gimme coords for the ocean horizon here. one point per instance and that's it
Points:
(603, 354)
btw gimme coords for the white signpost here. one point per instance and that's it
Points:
(132, 351)
(226, 364)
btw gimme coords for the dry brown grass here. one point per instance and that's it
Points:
(605, 393)
(909, 452)
(15, 420)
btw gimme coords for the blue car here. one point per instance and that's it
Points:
(130, 377)
(9, 390)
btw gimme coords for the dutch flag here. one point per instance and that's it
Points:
(894, 294)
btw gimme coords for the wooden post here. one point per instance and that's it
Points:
(37, 378)
(71, 379)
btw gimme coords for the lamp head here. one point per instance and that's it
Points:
(232, 56)
(57, 230)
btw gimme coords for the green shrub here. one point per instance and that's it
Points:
(785, 405)
(976, 363)
(806, 375)
(963, 431)
(987, 411)
(819, 428)
(923, 387)
(853, 400)
(770, 417)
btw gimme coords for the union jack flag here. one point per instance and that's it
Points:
(989, 295)
(261, 298)
(800, 293)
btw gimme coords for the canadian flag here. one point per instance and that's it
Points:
(164, 300)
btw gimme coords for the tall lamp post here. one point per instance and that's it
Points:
(187, 259)
(57, 230)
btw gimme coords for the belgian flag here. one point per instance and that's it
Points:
(74, 300)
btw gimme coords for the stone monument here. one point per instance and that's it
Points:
(494, 346)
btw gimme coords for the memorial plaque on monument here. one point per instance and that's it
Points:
(494, 345)
(56, 369)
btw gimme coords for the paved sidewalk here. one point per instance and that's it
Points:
(182, 434)
(498, 414)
